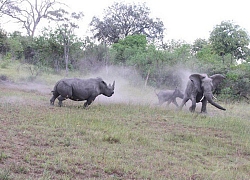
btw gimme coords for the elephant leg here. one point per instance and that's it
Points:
(204, 106)
(60, 99)
(193, 106)
(183, 102)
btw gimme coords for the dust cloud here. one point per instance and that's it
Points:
(130, 88)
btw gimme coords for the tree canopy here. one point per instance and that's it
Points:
(121, 20)
(229, 38)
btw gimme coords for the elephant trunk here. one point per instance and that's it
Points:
(210, 100)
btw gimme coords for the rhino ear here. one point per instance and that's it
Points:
(103, 82)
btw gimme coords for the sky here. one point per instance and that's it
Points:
(183, 19)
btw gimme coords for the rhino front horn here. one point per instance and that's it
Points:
(113, 86)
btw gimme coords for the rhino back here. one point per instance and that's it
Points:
(64, 88)
(83, 89)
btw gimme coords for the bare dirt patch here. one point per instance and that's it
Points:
(26, 86)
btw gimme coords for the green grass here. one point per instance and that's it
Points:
(119, 140)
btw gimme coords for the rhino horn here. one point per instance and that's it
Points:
(113, 86)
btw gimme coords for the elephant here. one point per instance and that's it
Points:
(81, 89)
(169, 96)
(200, 88)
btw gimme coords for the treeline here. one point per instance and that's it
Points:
(137, 44)
(160, 67)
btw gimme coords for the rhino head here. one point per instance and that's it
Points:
(108, 90)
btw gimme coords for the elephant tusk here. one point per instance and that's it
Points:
(214, 97)
(202, 98)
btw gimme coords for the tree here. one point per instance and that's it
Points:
(228, 38)
(49, 49)
(66, 34)
(4, 47)
(172, 44)
(17, 44)
(128, 48)
(121, 20)
(3, 3)
(198, 45)
(95, 56)
(59, 47)
(29, 13)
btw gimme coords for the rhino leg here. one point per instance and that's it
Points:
(89, 101)
(60, 99)
(55, 95)
(52, 100)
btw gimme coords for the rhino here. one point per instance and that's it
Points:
(80, 90)
(169, 96)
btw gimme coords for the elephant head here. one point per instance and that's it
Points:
(205, 85)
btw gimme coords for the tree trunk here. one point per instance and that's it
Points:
(232, 55)
(66, 55)
(146, 81)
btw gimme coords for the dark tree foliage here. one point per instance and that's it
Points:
(121, 20)
(198, 45)
(4, 47)
(127, 48)
(29, 53)
(172, 45)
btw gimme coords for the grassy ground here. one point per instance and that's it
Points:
(117, 139)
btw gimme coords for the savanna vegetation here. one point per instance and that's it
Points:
(122, 137)
(125, 136)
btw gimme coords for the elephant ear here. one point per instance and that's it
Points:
(196, 79)
(216, 79)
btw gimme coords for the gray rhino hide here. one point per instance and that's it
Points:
(81, 89)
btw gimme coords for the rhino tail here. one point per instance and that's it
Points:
(55, 87)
